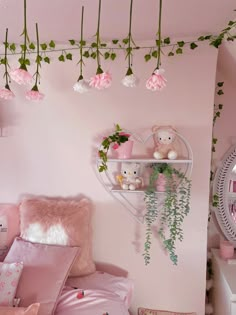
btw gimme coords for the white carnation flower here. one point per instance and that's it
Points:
(81, 86)
(130, 80)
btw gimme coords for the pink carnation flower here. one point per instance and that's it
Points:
(21, 76)
(6, 93)
(34, 94)
(101, 81)
(124, 134)
(157, 81)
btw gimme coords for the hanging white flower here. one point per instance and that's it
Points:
(130, 81)
(81, 86)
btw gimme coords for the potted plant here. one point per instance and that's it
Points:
(115, 140)
(174, 207)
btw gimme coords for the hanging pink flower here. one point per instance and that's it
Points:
(6, 93)
(21, 75)
(34, 94)
(157, 81)
(102, 80)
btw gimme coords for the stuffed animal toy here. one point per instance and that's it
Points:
(129, 178)
(164, 137)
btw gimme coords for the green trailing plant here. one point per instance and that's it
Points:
(169, 208)
(114, 140)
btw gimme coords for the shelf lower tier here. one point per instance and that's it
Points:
(118, 189)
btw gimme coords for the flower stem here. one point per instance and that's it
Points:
(25, 31)
(130, 36)
(37, 58)
(81, 44)
(5, 60)
(98, 39)
(159, 36)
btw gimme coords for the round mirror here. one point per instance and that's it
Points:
(224, 194)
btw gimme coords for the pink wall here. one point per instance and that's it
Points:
(50, 150)
(224, 129)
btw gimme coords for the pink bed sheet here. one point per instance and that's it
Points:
(93, 302)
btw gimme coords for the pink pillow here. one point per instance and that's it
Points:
(9, 278)
(31, 310)
(121, 286)
(46, 268)
(10, 221)
(60, 221)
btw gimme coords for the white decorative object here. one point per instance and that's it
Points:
(130, 81)
(129, 178)
(81, 86)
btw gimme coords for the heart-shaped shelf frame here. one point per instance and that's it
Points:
(107, 181)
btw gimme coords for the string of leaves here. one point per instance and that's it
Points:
(171, 214)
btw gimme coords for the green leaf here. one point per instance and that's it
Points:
(72, 41)
(23, 47)
(158, 42)
(193, 45)
(231, 23)
(214, 140)
(86, 54)
(167, 40)
(103, 45)
(220, 92)
(52, 44)
(181, 44)
(27, 62)
(129, 50)
(82, 42)
(94, 55)
(3, 61)
(113, 56)
(154, 54)
(43, 46)
(179, 51)
(12, 47)
(207, 37)
(21, 61)
(201, 38)
(32, 46)
(147, 57)
(94, 45)
(115, 41)
(171, 54)
(106, 55)
(125, 41)
(69, 56)
(220, 84)
(220, 106)
(46, 59)
(38, 59)
(61, 58)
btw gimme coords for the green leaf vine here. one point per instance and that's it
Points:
(175, 206)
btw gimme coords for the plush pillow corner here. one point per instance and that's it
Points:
(31, 310)
(148, 311)
(46, 268)
(10, 274)
(62, 221)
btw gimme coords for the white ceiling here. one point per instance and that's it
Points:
(60, 19)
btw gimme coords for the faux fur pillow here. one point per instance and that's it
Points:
(63, 222)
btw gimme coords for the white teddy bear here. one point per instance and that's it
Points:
(164, 136)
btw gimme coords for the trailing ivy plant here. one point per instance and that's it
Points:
(169, 208)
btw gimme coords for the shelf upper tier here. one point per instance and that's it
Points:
(145, 160)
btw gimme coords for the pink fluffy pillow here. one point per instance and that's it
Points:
(46, 268)
(60, 221)
(9, 277)
(31, 310)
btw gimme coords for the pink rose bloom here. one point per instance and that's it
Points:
(124, 134)
(157, 81)
(34, 95)
(6, 93)
(115, 146)
(101, 81)
(21, 76)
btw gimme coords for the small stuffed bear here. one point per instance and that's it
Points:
(129, 178)
(164, 136)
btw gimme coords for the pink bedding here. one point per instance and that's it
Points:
(93, 302)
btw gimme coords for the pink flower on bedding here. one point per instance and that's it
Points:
(14, 282)
(157, 81)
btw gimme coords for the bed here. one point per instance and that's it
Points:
(48, 268)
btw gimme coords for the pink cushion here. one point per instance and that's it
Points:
(10, 220)
(121, 286)
(9, 278)
(46, 268)
(60, 221)
(31, 310)
(148, 311)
